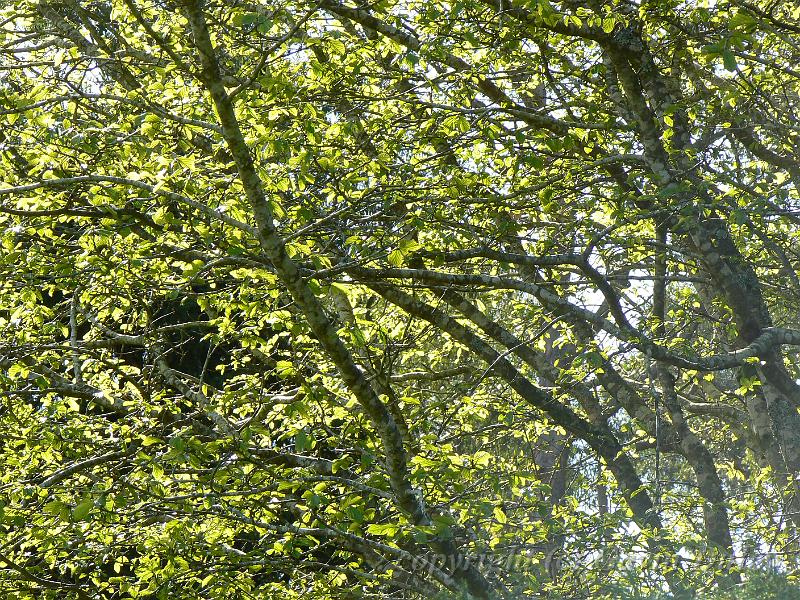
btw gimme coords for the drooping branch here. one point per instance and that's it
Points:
(771, 338)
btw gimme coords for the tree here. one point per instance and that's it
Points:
(491, 299)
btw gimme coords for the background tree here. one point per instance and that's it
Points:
(398, 299)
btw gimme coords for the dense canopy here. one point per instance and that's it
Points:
(400, 299)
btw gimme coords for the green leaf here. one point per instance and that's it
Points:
(386, 530)
(303, 441)
(285, 369)
(396, 258)
(82, 510)
(56, 508)
(729, 60)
